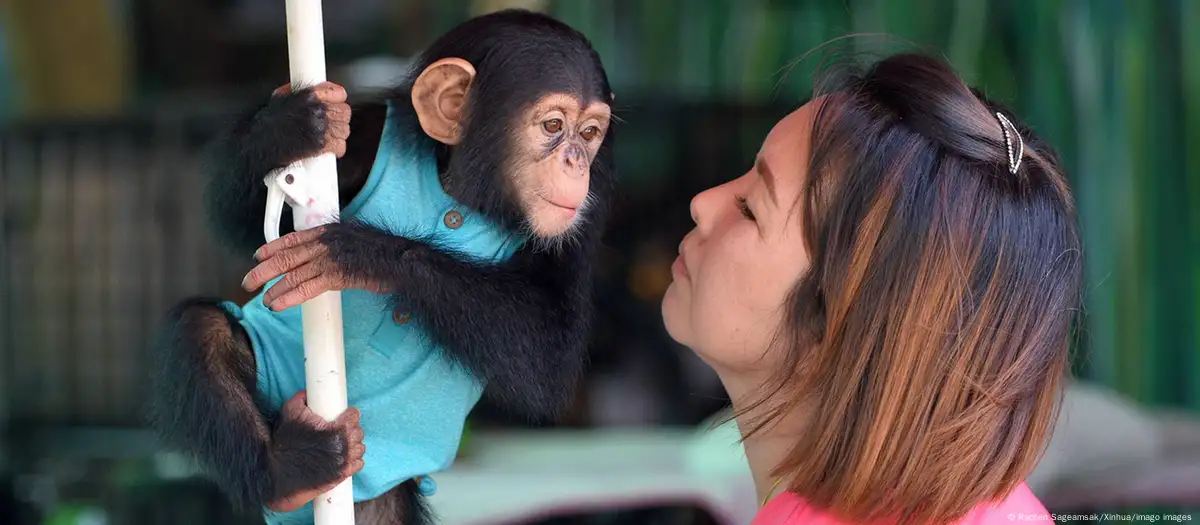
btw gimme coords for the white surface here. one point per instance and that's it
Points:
(324, 353)
(517, 476)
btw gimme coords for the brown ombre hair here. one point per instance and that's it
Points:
(928, 341)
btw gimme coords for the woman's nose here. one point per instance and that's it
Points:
(702, 207)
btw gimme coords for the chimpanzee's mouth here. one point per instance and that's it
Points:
(571, 209)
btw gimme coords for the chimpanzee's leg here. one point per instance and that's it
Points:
(205, 404)
(403, 505)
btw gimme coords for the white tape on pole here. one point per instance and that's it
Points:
(314, 181)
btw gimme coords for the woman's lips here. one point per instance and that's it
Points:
(679, 268)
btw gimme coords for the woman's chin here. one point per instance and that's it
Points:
(672, 314)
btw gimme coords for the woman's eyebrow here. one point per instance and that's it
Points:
(760, 165)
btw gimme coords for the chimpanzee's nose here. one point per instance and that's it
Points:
(575, 157)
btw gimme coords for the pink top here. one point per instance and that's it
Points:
(1020, 505)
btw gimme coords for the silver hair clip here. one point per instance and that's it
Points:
(1014, 161)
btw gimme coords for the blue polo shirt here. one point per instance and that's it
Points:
(413, 400)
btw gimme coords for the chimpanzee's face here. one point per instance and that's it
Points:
(557, 141)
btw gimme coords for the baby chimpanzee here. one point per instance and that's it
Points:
(473, 202)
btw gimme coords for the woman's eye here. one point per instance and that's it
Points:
(745, 209)
(590, 133)
(552, 126)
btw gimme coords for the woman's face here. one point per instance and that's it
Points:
(736, 267)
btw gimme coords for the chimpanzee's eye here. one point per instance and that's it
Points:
(552, 126)
(590, 133)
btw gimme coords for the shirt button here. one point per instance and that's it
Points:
(452, 220)
(401, 318)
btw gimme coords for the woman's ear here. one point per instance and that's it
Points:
(439, 96)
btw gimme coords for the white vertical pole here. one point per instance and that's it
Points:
(324, 353)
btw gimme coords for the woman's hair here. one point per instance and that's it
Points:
(928, 341)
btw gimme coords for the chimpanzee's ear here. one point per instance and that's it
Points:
(439, 96)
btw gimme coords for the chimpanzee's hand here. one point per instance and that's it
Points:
(310, 121)
(305, 257)
(310, 456)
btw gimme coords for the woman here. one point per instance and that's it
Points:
(887, 296)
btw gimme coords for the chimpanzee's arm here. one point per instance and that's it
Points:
(521, 326)
(286, 128)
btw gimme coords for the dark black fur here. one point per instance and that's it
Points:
(255, 458)
(522, 326)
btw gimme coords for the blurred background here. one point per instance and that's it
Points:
(104, 105)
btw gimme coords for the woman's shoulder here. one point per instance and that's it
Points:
(790, 509)
(1020, 505)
